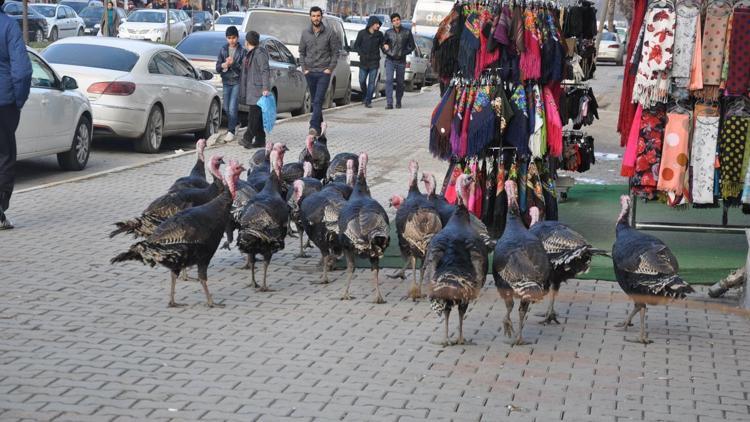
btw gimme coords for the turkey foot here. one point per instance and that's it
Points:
(174, 304)
(213, 304)
(508, 328)
(462, 342)
(378, 297)
(550, 317)
(347, 296)
(321, 281)
(519, 342)
(642, 340)
(400, 274)
(415, 293)
(379, 300)
(301, 253)
(265, 289)
(226, 245)
(624, 325)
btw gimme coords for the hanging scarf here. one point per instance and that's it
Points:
(651, 82)
(440, 127)
(727, 44)
(738, 79)
(464, 146)
(517, 22)
(675, 158)
(746, 172)
(703, 153)
(538, 141)
(450, 190)
(503, 110)
(446, 45)
(531, 58)
(696, 66)
(714, 35)
(554, 125)
(469, 43)
(482, 125)
(485, 58)
(650, 139)
(502, 29)
(457, 123)
(517, 134)
(684, 42)
(731, 153)
(535, 190)
(631, 149)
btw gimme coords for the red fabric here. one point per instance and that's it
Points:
(450, 191)
(554, 125)
(627, 108)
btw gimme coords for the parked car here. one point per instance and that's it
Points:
(37, 23)
(611, 48)
(151, 25)
(288, 84)
(92, 17)
(56, 118)
(139, 90)
(230, 19)
(62, 21)
(352, 29)
(425, 48)
(78, 5)
(185, 19)
(416, 69)
(202, 21)
(287, 25)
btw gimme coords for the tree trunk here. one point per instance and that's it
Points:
(169, 26)
(611, 16)
(605, 12)
(25, 25)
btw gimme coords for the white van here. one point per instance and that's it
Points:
(428, 14)
(287, 25)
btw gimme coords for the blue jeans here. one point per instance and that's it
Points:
(231, 106)
(400, 69)
(317, 82)
(367, 83)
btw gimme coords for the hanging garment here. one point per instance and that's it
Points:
(484, 57)
(478, 186)
(684, 42)
(731, 154)
(727, 44)
(517, 22)
(535, 190)
(553, 123)
(631, 148)
(538, 139)
(531, 58)
(502, 108)
(440, 126)
(517, 134)
(746, 172)
(651, 82)
(503, 27)
(674, 157)
(738, 79)
(466, 121)
(489, 191)
(703, 153)
(627, 107)
(446, 44)
(714, 35)
(482, 123)
(501, 203)
(469, 43)
(696, 66)
(462, 95)
(450, 191)
(650, 139)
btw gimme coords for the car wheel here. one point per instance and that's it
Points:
(347, 96)
(80, 32)
(53, 34)
(150, 141)
(213, 120)
(306, 105)
(78, 156)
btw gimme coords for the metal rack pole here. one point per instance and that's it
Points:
(723, 228)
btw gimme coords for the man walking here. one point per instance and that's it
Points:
(399, 43)
(318, 53)
(368, 44)
(15, 83)
(229, 66)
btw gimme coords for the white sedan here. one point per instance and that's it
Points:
(230, 19)
(56, 118)
(152, 25)
(62, 20)
(139, 89)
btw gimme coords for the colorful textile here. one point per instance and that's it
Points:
(538, 140)
(554, 125)
(684, 42)
(714, 35)
(738, 79)
(746, 171)
(651, 82)
(674, 157)
(531, 58)
(517, 134)
(631, 148)
(696, 66)
(482, 122)
(627, 108)
(651, 135)
(731, 153)
(703, 153)
(440, 125)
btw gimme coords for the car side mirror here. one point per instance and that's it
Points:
(206, 75)
(297, 61)
(69, 84)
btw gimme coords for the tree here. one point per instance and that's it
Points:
(626, 7)
(25, 25)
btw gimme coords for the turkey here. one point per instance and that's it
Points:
(417, 221)
(302, 188)
(445, 210)
(245, 192)
(197, 176)
(363, 230)
(170, 204)
(456, 264)
(260, 158)
(520, 266)
(291, 172)
(337, 168)
(645, 268)
(316, 153)
(188, 238)
(319, 215)
(569, 255)
(257, 178)
(264, 221)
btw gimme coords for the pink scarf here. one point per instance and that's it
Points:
(631, 149)
(554, 125)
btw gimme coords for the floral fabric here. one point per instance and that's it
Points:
(651, 136)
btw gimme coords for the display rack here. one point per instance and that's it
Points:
(724, 227)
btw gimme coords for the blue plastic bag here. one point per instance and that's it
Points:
(267, 104)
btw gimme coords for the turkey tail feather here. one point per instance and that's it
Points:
(129, 227)
(126, 256)
(600, 252)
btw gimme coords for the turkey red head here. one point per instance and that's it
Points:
(429, 182)
(512, 192)
(534, 214)
(309, 141)
(350, 172)
(396, 201)
(216, 162)
(299, 187)
(233, 172)
(200, 147)
(277, 161)
(463, 185)
(363, 165)
(307, 169)
(624, 209)
(413, 171)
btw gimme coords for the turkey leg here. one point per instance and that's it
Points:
(250, 264)
(461, 312)
(378, 297)
(551, 315)
(642, 339)
(625, 324)
(324, 279)
(507, 324)
(302, 253)
(447, 341)
(401, 273)
(203, 277)
(172, 303)
(414, 292)
(523, 309)
(349, 275)
(266, 262)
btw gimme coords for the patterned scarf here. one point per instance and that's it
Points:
(714, 36)
(531, 59)
(631, 148)
(738, 79)
(732, 151)
(684, 43)
(650, 139)
(482, 125)
(703, 153)
(696, 66)
(538, 141)
(627, 108)
(675, 158)
(554, 125)
(517, 134)
(651, 82)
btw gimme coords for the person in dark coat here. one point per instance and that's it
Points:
(229, 66)
(399, 43)
(110, 23)
(254, 83)
(368, 45)
(15, 85)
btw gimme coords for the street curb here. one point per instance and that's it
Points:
(168, 157)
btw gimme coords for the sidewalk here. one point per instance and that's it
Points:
(84, 340)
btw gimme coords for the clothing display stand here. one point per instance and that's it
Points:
(724, 227)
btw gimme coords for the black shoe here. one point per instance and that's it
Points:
(245, 143)
(389, 107)
(5, 223)
(368, 105)
(398, 105)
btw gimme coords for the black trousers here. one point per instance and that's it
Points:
(255, 126)
(9, 117)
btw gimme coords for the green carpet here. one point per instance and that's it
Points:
(592, 209)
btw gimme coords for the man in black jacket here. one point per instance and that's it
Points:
(398, 44)
(229, 66)
(368, 44)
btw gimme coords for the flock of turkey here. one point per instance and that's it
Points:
(329, 200)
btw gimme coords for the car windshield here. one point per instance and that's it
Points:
(16, 9)
(149, 17)
(229, 20)
(87, 55)
(75, 5)
(46, 11)
(199, 17)
(92, 12)
(608, 36)
(203, 45)
(287, 27)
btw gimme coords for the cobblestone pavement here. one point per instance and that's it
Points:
(83, 340)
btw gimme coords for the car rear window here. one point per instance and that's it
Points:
(287, 27)
(96, 56)
(608, 36)
(203, 45)
(230, 20)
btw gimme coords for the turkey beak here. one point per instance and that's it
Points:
(221, 161)
(286, 148)
(390, 203)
